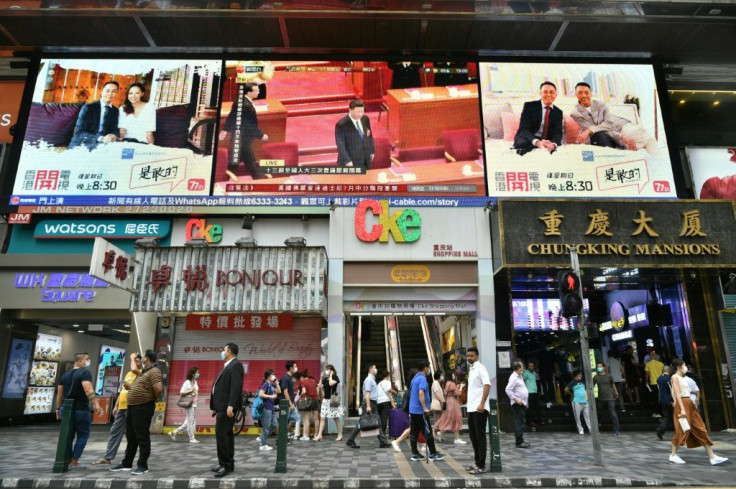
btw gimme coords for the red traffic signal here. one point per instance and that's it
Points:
(571, 300)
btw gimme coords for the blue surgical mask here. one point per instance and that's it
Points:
(599, 370)
(87, 364)
(222, 354)
(196, 376)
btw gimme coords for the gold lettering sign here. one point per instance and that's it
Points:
(599, 224)
(643, 223)
(410, 274)
(691, 224)
(552, 221)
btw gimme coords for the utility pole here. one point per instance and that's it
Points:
(587, 367)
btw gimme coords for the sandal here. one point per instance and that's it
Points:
(476, 471)
(471, 467)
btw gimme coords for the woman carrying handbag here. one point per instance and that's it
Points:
(189, 394)
(331, 405)
(438, 400)
(689, 427)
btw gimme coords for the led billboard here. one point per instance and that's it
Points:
(108, 128)
(574, 130)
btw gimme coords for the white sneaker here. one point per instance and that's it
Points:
(460, 442)
(581, 432)
(396, 446)
(193, 441)
(172, 434)
(717, 460)
(675, 459)
(304, 438)
(265, 448)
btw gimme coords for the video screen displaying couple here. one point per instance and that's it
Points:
(349, 127)
(574, 130)
(120, 127)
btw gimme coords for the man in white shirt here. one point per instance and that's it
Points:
(519, 397)
(479, 386)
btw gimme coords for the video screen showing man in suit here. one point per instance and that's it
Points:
(405, 74)
(249, 131)
(541, 123)
(98, 121)
(354, 138)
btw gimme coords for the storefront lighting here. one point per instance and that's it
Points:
(434, 313)
(147, 243)
(80, 331)
(246, 243)
(196, 243)
(126, 325)
(75, 325)
(296, 241)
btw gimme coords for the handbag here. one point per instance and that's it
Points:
(185, 401)
(369, 422)
(390, 398)
(684, 424)
(335, 400)
(304, 403)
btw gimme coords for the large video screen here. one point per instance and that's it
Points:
(713, 172)
(574, 130)
(102, 128)
(349, 127)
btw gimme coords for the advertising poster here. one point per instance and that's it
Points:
(39, 400)
(48, 347)
(19, 364)
(43, 373)
(110, 356)
(316, 128)
(115, 127)
(604, 138)
(713, 171)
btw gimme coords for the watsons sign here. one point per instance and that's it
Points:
(89, 229)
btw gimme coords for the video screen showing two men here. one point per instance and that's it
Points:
(337, 127)
(106, 128)
(574, 130)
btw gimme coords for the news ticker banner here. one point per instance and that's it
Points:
(120, 126)
(608, 134)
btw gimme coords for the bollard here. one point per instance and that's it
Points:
(494, 435)
(66, 436)
(282, 440)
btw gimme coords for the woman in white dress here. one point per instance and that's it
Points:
(137, 121)
(189, 388)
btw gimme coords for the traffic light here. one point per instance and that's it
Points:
(571, 300)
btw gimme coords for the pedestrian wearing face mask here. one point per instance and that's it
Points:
(142, 399)
(189, 388)
(76, 384)
(438, 399)
(607, 395)
(369, 405)
(687, 414)
(269, 391)
(227, 396)
(328, 409)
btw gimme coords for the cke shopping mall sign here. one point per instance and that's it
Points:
(229, 278)
(623, 233)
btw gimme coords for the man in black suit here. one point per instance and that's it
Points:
(242, 146)
(354, 138)
(541, 123)
(225, 402)
(406, 75)
(98, 122)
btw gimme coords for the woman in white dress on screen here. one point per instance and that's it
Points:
(137, 120)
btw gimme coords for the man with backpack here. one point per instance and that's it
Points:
(76, 384)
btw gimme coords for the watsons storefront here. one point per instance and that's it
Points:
(650, 276)
(408, 284)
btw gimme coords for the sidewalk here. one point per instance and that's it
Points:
(555, 460)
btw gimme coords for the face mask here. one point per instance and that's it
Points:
(222, 355)
(273, 378)
(599, 370)
(327, 373)
(442, 378)
(87, 364)
(684, 369)
(196, 376)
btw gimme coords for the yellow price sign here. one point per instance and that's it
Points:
(272, 163)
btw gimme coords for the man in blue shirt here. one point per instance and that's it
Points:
(665, 401)
(369, 405)
(419, 403)
(576, 389)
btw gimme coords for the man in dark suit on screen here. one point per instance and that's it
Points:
(226, 398)
(405, 74)
(98, 122)
(354, 138)
(541, 123)
(249, 131)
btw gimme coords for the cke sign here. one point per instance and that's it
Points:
(403, 225)
(198, 228)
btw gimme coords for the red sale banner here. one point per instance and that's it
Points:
(265, 322)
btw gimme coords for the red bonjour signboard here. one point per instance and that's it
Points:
(239, 322)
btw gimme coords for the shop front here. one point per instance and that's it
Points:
(408, 284)
(270, 301)
(649, 271)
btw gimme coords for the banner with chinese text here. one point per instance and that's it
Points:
(234, 322)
